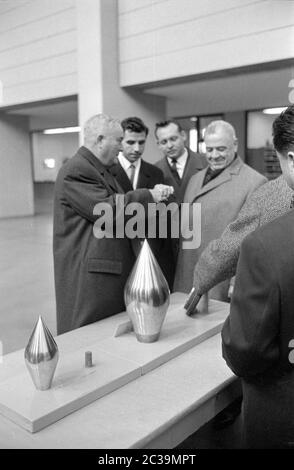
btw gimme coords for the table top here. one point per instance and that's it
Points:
(134, 415)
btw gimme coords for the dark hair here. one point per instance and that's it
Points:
(134, 124)
(283, 130)
(158, 125)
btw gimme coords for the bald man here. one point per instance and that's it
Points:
(221, 189)
(91, 272)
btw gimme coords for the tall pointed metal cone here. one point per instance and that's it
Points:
(41, 356)
(147, 296)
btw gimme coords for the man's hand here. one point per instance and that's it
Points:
(161, 192)
(196, 303)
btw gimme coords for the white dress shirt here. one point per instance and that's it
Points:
(126, 165)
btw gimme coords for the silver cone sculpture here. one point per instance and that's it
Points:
(146, 296)
(41, 356)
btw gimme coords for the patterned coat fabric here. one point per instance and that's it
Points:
(259, 332)
(90, 273)
(219, 260)
(221, 200)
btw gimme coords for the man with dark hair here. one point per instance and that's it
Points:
(178, 163)
(259, 333)
(132, 172)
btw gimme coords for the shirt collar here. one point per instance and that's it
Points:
(125, 162)
(181, 161)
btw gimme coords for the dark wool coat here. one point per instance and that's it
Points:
(259, 332)
(90, 273)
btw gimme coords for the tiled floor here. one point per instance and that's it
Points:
(26, 278)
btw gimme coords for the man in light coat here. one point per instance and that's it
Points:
(221, 189)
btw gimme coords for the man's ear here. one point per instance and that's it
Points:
(184, 135)
(99, 139)
(236, 144)
(290, 160)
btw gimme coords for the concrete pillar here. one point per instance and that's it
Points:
(98, 69)
(16, 179)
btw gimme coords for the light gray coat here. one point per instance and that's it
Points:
(221, 200)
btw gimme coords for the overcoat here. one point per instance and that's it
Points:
(258, 335)
(220, 202)
(90, 273)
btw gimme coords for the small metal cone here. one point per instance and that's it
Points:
(41, 355)
(147, 296)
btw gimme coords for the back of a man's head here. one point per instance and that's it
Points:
(134, 124)
(283, 131)
(222, 127)
(100, 124)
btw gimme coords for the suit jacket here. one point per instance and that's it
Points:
(219, 260)
(90, 273)
(195, 163)
(149, 176)
(221, 200)
(258, 334)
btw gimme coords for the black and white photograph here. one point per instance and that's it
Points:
(147, 228)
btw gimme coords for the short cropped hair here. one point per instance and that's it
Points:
(283, 131)
(159, 125)
(214, 126)
(134, 124)
(96, 125)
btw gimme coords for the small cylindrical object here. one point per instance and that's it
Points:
(88, 359)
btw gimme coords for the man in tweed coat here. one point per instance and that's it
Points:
(218, 261)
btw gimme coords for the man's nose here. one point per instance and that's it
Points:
(136, 147)
(214, 153)
(169, 144)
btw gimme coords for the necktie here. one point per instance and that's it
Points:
(132, 173)
(175, 171)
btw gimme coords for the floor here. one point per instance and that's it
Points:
(27, 291)
(26, 278)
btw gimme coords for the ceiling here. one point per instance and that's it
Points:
(61, 114)
(233, 92)
(244, 91)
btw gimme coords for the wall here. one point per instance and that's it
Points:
(163, 39)
(57, 146)
(99, 87)
(37, 50)
(259, 129)
(16, 185)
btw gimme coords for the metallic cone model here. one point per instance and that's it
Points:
(41, 356)
(147, 296)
